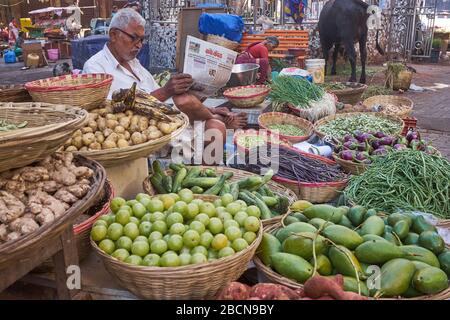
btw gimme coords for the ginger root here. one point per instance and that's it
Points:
(10, 207)
(65, 196)
(24, 225)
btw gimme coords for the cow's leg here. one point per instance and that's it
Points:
(363, 53)
(326, 50)
(335, 55)
(350, 49)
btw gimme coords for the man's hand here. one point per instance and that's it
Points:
(178, 84)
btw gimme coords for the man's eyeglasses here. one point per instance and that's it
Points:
(134, 39)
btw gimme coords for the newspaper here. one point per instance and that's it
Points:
(209, 65)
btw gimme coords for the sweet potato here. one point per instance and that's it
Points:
(271, 291)
(235, 291)
(318, 287)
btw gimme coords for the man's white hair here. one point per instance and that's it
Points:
(124, 17)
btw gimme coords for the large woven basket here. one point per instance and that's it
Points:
(200, 281)
(350, 166)
(270, 118)
(29, 248)
(84, 90)
(315, 192)
(112, 157)
(49, 126)
(407, 103)
(238, 175)
(350, 95)
(352, 114)
(222, 41)
(14, 93)
(268, 138)
(259, 94)
(274, 277)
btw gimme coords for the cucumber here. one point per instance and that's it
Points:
(176, 167)
(267, 190)
(167, 183)
(210, 172)
(197, 190)
(226, 189)
(179, 177)
(157, 184)
(270, 201)
(265, 211)
(157, 169)
(250, 182)
(201, 182)
(214, 190)
(262, 191)
(193, 172)
(244, 197)
(234, 190)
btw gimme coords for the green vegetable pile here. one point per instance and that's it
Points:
(341, 126)
(287, 129)
(375, 91)
(406, 180)
(323, 239)
(251, 141)
(7, 126)
(296, 91)
(333, 86)
(252, 190)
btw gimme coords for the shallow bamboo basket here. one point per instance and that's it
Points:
(350, 95)
(222, 41)
(270, 118)
(28, 248)
(352, 114)
(394, 100)
(200, 281)
(14, 93)
(350, 166)
(49, 126)
(116, 156)
(250, 100)
(237, 175)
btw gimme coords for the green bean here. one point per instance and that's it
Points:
(296, 91)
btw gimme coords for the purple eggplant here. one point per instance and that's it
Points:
(360, 156)
(350, 145)
(362, 146)
(365, 137)
(386, 141)
(412, 135)
(381, 151)
(379, 135)
(400, 146)
(376, 144)
(348, 137)
(347, 155)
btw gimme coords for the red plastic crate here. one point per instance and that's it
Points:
(410, 123)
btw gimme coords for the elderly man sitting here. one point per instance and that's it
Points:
(118, 58)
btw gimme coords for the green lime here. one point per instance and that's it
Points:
(253, 211)
(100, 223)
(133, 259)
(180, 207)
(203, 218)
(198, 258)
(131, 230)
(249, 237)
(108, 218)
(155, 205)
(107, 246)
(175, 242)
(224, 216)
(151, 260)
(141, 238)
(139, 210)
(240, 217)
(233, 208)
(199, 249)
(115, 231)
(123, 216)
(140, 248)
(120, 254)
(191, 238)
(208, 208)
(206, 239)
(145, 228)
(145, 202)
(239, 244)
(220, 241)
(233, 233)
(212, 254)
(141, 196)
(155, 235)
(167, 200)
(186, 195)
(135, 220)
(159, 226)
(217, 203)
(226, 199)
(132, 202)
(220, 209)
(197, 202)
(157, 216)
(185, 259)
(230, 223)
(146, 217)
(242, 203)
(124, 243)
(225, 252)
(170, 260)
(175, 196)
(192, 211)
(158, 246)
(173, 218)
(197, 226)
(185, 250)
(166, 237)
(252, 224)
(116, 203)
(168, 252)
(99, 232)
(126, 207)
(177, 228)
(215, 225)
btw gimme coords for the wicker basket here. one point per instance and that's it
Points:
(222, 41)
(350, 166)
(28, 249)
(267, 119)
(112, 157)
(402, 81)
(350, 95)
(238, 175)
(394, 100)
(315, 192)
(49, 126)
(85, 90)
(352, 114)
(249, 100)
(200, 281)
(14, 93)
(269, 139)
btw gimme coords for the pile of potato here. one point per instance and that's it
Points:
(107, 130)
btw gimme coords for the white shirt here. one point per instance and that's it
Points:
(104, 62)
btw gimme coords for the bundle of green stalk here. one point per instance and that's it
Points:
(296, 91)
(406, 180)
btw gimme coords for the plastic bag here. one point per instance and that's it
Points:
(221, 24)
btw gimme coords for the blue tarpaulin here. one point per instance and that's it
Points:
(229, 26)
(83, 49)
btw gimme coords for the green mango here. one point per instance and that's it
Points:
(432, 241)
(401, 229)
(344, 209)
(388, 229)
(290, 219)
(356, 215)
(351, 284)
(420, 265)
(300, 217)
(373, 225)
(368, 237)
(292, 266)
(325, 212)
(396, 217)
(364, 267)
(391, 238)
(378, 252)
(324, 267)
(301, 244)
(344, 261)
(295, 227)
(370, 213)
(319, 223)
(346, 222)
(412, 292)
(430, 280)
(420, 225)
(268, 246)
(411, 238)
(444, 260)
(343, 236)
(417, 253)
(396, 277)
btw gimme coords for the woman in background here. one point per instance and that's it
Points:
(13, 32)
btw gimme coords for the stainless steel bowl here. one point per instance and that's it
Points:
(243, 74)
